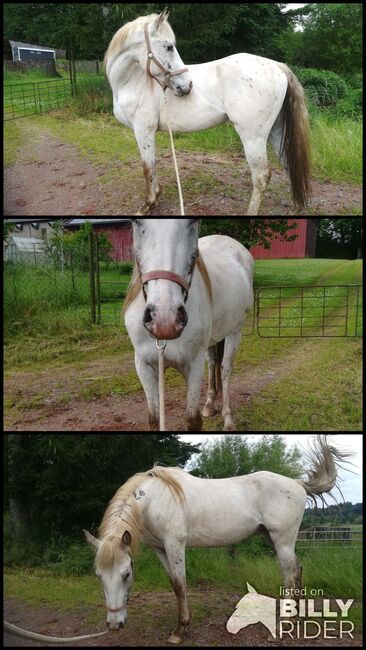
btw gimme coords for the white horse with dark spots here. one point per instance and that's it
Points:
(193, 293)
(262, 98)
(170, 510)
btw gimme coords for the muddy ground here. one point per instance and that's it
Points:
(151, 619)
(52, 178)
(39, 404)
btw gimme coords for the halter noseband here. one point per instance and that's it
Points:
(114, 611)
(151, 57)
(169, 275)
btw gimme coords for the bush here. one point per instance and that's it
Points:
(324, 88)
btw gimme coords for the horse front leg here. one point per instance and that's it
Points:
(150, 382)
(175, 555)
(145, 139)
(194, 377)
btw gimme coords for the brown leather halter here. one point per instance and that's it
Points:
(114, 611)
(151, 57)
(169, 275)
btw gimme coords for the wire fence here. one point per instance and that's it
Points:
(330, 537)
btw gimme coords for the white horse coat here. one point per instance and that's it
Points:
(210, 322)
(261, 97)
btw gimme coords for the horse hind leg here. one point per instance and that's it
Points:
(214, 359)
(291, 568)
(231, 345)
(256, 155)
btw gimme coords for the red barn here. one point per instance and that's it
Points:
(303, 246)
(118, 231)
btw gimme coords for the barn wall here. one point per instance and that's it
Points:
(121, 240)
(300, 247)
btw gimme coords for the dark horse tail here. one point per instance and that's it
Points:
(295, 144)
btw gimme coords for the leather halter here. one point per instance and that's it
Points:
(151, 57)
(169, 275)
(114, 611)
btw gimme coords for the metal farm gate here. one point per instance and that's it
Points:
(321, 311)
(34, 97)
(308, 311)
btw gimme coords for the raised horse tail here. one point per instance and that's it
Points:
(295, 145)
(322, 477)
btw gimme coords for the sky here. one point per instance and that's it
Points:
(294, 5)
(350, 483)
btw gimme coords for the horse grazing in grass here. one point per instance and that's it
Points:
(262, 98)
(171, 510)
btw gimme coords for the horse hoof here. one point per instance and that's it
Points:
(230, 427)
(145, 209)
(208, 411)
(175, 640)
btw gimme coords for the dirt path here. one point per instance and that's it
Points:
(54, 179)
(151, 619)
(52, 407)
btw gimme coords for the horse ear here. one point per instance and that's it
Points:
(93, 541)
(160, 19)
(126, 538)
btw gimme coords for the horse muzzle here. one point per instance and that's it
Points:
(115, 626)
(183, 89)
(167, 326)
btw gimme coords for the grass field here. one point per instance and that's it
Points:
(209, 569)
(287, 384)
(89, 124)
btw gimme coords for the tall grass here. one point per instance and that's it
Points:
(332, 572)
(336, 147)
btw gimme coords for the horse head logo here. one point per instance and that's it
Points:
(253, 608)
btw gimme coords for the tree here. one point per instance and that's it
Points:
(250, 232)
(341, 235)
(57, 483)
(234, 455)
(331, 38)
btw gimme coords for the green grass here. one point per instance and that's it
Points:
(211, 569)
(302, 384)
(90, 125)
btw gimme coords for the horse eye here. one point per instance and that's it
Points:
(125, 577)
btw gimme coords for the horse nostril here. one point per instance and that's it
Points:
(191, 84)
(148, 315)
(182, 317)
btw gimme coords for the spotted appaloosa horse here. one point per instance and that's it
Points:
(195, 294)
(171, 510)
(261, 97)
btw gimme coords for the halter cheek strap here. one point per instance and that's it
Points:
(151, 57)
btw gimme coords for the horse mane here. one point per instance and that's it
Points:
(119, 40)
(123, 513)
(135, 284)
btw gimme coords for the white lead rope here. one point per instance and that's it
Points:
(175, 165)
(161, 345)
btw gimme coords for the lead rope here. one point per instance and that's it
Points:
(161, 345)
(175, 165)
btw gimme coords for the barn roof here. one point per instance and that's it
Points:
(27, 244)
(33, 46)
(34, 220)
(80, 222)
